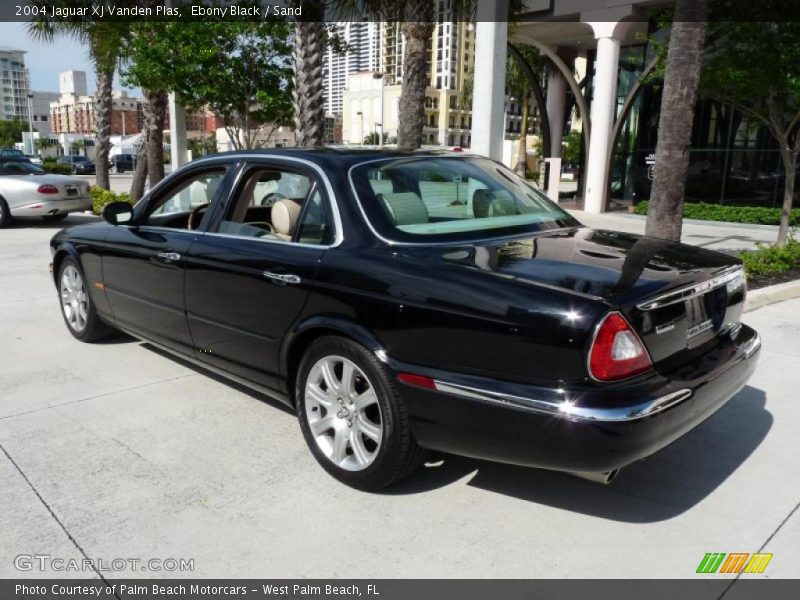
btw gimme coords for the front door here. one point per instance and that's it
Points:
(248, 278)
(143, 264)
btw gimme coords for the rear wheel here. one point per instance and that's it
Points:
(76, 305)
(352, 417)
(5, 214)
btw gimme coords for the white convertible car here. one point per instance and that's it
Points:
(27, 190)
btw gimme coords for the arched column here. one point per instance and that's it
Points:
(488, 98)
(609, 37)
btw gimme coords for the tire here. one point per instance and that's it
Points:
(77, 309)
(53, 218)
(5, 214)
(368, 444)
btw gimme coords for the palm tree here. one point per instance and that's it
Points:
(519, 87)
(104, 41)
(681, 80)
(307, 95)
(417, 29)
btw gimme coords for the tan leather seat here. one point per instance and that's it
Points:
(405, 208)
(285, 214)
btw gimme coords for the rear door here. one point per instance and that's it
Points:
(245, 283)
(144, 264)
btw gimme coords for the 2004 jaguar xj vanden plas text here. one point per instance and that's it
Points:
(406, 302)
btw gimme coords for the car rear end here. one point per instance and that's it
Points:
(656, 366)
(49, 196)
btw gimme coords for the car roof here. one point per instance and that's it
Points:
(332, 157)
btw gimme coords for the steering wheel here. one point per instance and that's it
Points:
(196, 216)
(264, 224)
(271, 198)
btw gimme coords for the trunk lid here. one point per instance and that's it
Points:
(677, 297)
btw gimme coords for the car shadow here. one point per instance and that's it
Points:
(255, 394)
(658, 488)
(40, 223)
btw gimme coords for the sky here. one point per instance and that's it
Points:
(46, 61)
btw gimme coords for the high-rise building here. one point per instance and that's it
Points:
(73, 82)
(14, 84)
(361, 44)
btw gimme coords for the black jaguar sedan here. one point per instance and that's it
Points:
(403, 302)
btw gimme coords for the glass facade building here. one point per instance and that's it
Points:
(733, 159)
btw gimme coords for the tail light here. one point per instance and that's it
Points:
(47, 189)
(617, 352)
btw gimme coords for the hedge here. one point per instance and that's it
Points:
(52, 166)
(770, 259)
(101, 197)
(732, 214)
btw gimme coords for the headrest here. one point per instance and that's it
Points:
(285, 213)
(405, 208)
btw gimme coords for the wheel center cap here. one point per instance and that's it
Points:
(343, 413)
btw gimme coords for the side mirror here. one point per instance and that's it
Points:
(117, 213)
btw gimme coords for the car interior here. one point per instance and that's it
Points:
(270, 205)
(436, 198)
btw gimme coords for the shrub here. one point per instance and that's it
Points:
(771, 259)
(101, 197)
(52, 166)
(731, 214)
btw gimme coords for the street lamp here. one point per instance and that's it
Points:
(382, 77)
(30, 124)
(361, 130)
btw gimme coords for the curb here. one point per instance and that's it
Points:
(772, 294)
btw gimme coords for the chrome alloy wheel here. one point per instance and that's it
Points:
(343, 413)
(74, 302)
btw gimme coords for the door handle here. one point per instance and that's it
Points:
(282, 277)
(168, 257)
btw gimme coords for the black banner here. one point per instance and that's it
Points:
(396, 589)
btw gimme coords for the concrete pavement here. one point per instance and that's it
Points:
(116, 451)
(724, 237)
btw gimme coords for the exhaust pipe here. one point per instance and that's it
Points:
(605, 477)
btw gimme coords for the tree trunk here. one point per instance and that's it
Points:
(102, 121)
(417, 29)
(139, 174)
(522, 158)
(681, 79)
(154, 119)
(789, 160)
(307, 95)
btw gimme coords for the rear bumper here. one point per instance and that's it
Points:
(591, 429)
(42, 208)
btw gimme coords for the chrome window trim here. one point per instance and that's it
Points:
(337, 218)
(391, 242)
(692, 291)
(565, 409)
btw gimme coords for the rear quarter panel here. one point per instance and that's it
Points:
(452, 318)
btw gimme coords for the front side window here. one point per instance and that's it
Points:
(183, 207)
(279, 204)
(424, 199)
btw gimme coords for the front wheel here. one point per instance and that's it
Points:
(352, 417)
(76, 305)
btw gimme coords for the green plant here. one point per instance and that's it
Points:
(768, 259)
(51, 166)
(732, 214)
(101, 197)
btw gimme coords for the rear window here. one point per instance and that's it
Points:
(422, 199)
